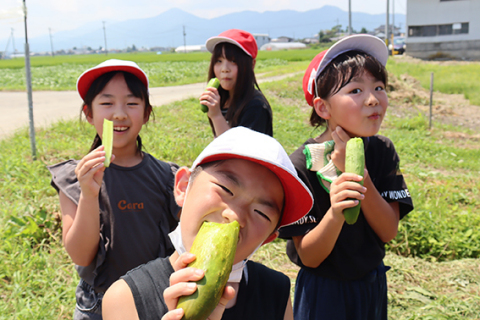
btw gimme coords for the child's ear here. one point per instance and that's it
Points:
(253, 63)
(321, 109)
(181, 183)
(272, 237)
(148, 112)
(88, 114)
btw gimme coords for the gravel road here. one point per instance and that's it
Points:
(51, 106)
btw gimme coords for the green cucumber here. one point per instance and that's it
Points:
(354, 163)
(107, 140)
(213, 83)
(214, 247)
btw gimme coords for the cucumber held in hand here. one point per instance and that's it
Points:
(214, 247)
(107, 140)
(354, 163)
(213, 83)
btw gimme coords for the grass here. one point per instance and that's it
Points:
(452, 78)
(435, 267)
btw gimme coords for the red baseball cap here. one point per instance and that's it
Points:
(247, 144)
(86, 79)
(243, 39)
(369, 44)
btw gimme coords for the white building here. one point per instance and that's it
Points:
(273, 46)
(191, 48)
(443, 28)
(261, 38)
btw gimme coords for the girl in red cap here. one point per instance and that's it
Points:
(238, 101)
(342, 274)
(116, 218)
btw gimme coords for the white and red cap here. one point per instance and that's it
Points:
(86, 79)
(369, 44)
(244, 143)
(242, 39)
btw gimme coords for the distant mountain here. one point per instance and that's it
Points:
(167, 29)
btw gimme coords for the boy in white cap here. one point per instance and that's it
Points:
(242, 175)
(342, 275)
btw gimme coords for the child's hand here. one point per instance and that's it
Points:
(340, 137)
(89, 172)
(345, 193)
(182, 284)
(211, 99)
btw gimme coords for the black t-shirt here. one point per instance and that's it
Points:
(257, 115)
(263, 292)
(144, 212)
(358, 249)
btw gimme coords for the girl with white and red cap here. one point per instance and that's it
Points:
(342, 274)
(238, 101)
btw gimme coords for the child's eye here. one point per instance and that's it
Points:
(379, 88)
(262, 214)
(225, 189)
(355, 91)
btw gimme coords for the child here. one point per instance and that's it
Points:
(342, 275)
(242, 175)
(238, 101)
(119, 217)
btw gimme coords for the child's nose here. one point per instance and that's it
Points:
(119, 113)
(231, 214)
(372, 99)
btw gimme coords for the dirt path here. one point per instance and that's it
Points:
(52, 106)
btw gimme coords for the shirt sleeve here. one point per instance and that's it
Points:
(391, 184)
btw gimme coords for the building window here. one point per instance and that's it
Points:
(438, 30)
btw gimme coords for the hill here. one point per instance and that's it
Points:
(167, 29)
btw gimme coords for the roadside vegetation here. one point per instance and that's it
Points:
(435, 257)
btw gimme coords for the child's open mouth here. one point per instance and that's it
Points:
(120, 129)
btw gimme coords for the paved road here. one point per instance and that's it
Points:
(51, 106)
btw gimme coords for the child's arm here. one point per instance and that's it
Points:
(382, 216)
(211, 98)
(315, 246)
(81, 224)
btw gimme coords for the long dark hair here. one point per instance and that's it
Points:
(341, 71)
(134, 84)
(245, 85)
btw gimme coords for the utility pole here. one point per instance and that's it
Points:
(29, 87)
(13, 42)
(386, 24)
(349, 17)
(184, 40)
(51, 42)
(105, 37)
(393, 23)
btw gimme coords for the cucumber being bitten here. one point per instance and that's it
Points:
(214, 247)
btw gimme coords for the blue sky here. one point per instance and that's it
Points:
(45, 16)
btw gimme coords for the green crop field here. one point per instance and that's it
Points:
(435, 257)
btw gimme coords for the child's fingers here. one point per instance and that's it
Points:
(172, 293)
(176, 314)
(186, 274)
(89, 168)
(183, 260)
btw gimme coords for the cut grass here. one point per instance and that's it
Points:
(37, 278)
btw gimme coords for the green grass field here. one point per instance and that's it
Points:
(435, 257)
